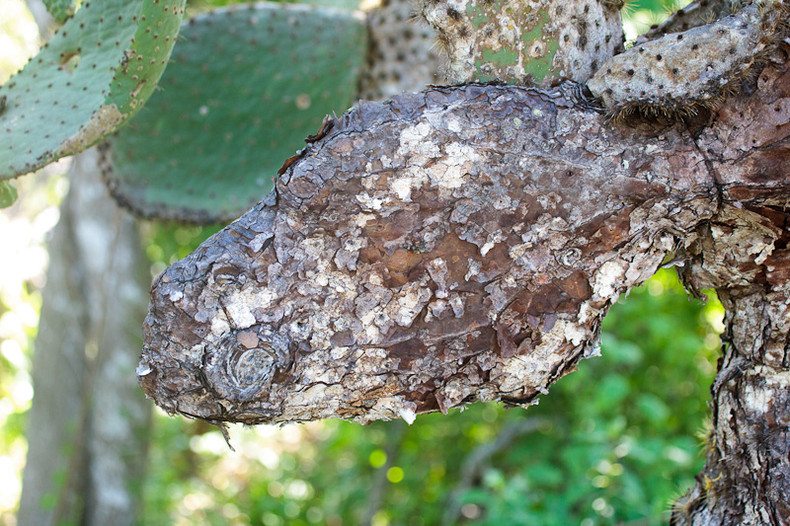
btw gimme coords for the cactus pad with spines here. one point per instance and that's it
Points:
(683, 76)
(93, 75)
(245, 86)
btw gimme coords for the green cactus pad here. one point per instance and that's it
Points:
(244, 88)
(94, 74)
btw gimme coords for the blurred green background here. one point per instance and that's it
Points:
(611, 444)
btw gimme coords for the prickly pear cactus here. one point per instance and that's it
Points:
(682, 74)
(94, 74)
(522, 41)
(245, 86)
(402, 52)
(695, 14)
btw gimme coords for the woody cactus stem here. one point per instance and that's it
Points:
(744, 254)
(518, 42)
(746, 479)
(468, 261)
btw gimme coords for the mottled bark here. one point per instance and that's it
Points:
(421, 257)
(743, 252)
(464, 243)
(87, 430)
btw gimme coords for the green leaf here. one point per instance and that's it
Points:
(94, 74)
(245, 87)
(8, 194)
(653, 408)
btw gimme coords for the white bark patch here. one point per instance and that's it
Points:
(402, 187)
(576, 334)
(176, 295)
(390, 408)
(219, 326)
(455, 392)
(414, 143)
(361, 220)
(535, 367)
(408, 412)
(370, 202)
(405, 307)
(607, 278)
(450, 173)
(238, 309)
(760, 400)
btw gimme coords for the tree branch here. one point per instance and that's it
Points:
(454, 245)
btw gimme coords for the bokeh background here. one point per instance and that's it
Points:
(613, 443)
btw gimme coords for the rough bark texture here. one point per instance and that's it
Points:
(743, 253)
(419, 258)
(463, 244)
(87, 430)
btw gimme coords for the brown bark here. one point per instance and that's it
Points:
(464, 243)
(419, 258)
(743, 253)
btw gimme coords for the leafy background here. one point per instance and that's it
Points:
(613, 443)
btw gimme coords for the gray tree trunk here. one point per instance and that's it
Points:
(88, 425)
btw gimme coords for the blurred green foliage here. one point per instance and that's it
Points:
(8, 194)
(22, 230)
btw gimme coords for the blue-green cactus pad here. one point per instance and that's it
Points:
(244, 88)
(94, 74)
